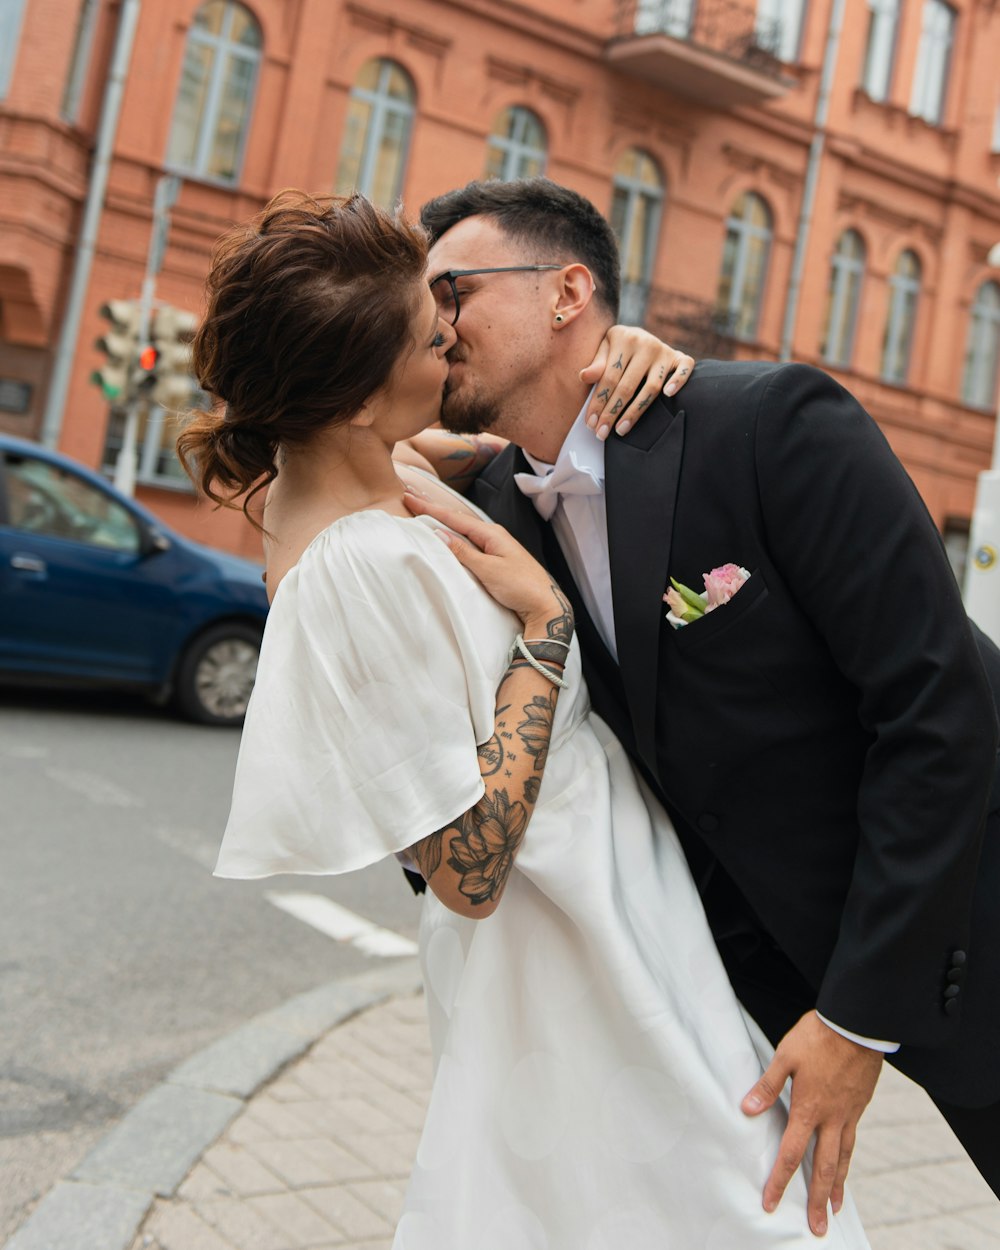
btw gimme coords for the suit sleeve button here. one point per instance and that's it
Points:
(950, 1006)
(958, 959)
(953, 991)
(955, 974)
(707, 822)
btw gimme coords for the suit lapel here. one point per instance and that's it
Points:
(641, 478)
(500, 498)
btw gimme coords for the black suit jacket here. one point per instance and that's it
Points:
(829, 736)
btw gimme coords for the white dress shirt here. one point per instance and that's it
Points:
(570, 495)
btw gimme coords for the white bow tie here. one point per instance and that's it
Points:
(565, 479)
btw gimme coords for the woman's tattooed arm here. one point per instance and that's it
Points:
(457, 459)
(468, 863)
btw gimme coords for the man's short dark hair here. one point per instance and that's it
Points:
(551, 220)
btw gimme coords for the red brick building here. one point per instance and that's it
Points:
(815, 179)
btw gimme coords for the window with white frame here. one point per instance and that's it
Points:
(664, 17)
(930, 79)
(377, 133)
(517, 146)
(847, 271)
(636, 210)
(982, 351)
(218, 82)
(904, 293)
(11, 12)
(880, 47)
(80, 61)
(779, 27)
(156, 437)
(744, 266)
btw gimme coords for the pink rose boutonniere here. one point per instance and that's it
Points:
(686, 605)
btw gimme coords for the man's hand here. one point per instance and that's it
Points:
(833, 1080)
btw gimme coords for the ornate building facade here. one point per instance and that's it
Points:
(807, 179)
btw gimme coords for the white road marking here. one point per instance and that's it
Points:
(97, 789)
(340, 924)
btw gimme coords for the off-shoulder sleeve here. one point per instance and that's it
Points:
(376, 683)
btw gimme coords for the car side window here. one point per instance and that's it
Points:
(45, 499)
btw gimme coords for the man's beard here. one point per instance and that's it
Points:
(468, 414)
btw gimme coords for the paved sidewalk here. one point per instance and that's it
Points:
(320, 1156)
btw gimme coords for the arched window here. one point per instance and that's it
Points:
(982, 352)
(779, 27)
(880, 47)
(11, 12)
(517, 147)
(904, 292)
(744, 265)
(212, 113)
(86, 23)
(636, 208)
(377, 135)
(847, 272)
(664, 17)
(930, 78)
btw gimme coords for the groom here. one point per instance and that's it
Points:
(825, 741)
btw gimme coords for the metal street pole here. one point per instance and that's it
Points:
(62, 360)
(167, 189)
(982, 569)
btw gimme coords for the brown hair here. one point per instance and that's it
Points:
(309, 309)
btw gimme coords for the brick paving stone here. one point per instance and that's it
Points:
(888, 1147)
(346, 1212)
(286, 1120)
(241, 1225)
(202, 1185)
(942, 1233)
(405, 1109)
(338, 1077)
(394, 1073)
(385, 1198)
(298, 1166)
(175, 1226)
(346, 1117)
(287, 1089)
(242, 1172)
(390, 1154)
(299, 1222)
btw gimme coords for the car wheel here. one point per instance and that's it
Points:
(216, 674)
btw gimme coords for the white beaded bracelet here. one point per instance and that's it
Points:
(519, 645)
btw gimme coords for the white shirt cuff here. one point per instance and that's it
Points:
(887, 1048)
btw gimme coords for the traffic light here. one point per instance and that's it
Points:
(172, 331)
(120, 343)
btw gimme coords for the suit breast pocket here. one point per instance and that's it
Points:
(725, 619)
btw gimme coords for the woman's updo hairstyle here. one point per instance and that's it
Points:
(308, 310)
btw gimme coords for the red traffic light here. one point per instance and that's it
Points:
(147, 358)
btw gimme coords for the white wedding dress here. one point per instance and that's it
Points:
(590, 1055)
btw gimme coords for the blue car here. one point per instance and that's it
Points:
(94, 589)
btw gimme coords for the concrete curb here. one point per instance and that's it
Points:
(102, 1204)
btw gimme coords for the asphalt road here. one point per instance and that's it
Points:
(120, 955)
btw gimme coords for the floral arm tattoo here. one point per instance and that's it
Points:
(479, 847)
(458, 459)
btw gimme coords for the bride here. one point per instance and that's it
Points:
(590, 1056)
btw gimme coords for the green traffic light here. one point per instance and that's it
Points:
(111, 391)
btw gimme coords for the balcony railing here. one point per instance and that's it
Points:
(715, 51)
(692, 325)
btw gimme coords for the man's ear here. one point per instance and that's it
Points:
(575, 293)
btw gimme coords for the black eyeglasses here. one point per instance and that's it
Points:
(446, 292)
